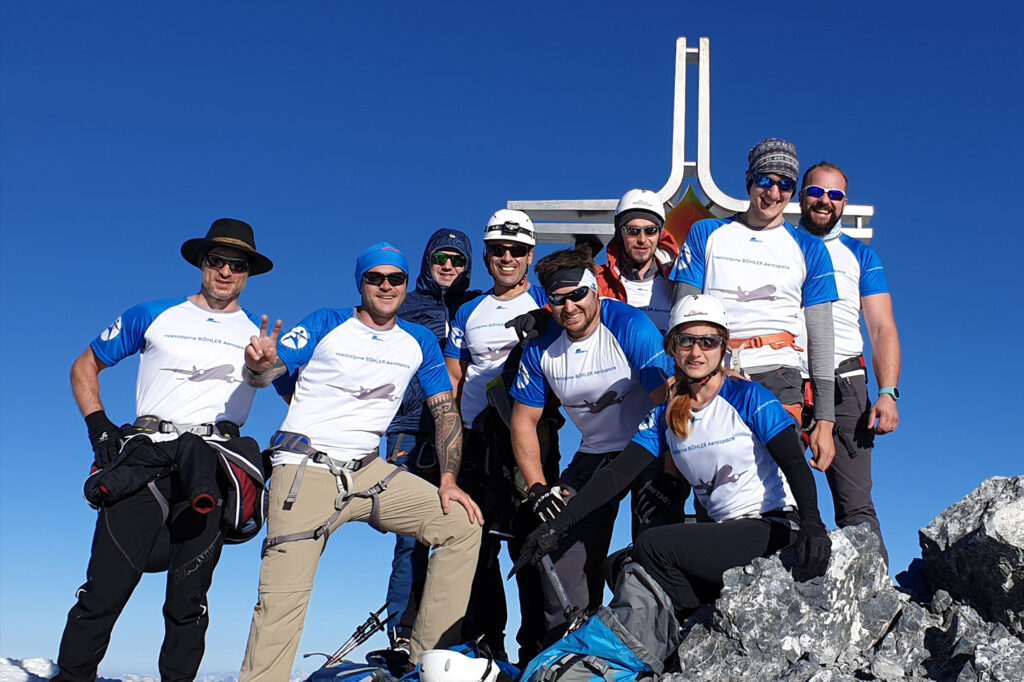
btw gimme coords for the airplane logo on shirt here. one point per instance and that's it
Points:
(385, 392)
(495, 354)
(218, 373)
(609, 398)
(722, 476)
(760, 294)
(210, 319)
(112, 331)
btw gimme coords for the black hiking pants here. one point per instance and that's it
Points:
(125, 537)
(688, 559)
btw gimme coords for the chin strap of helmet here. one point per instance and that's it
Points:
(701, 382)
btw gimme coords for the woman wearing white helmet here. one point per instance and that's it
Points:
(734, 443)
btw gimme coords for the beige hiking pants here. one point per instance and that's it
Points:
(409, 506)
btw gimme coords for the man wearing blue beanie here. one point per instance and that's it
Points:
(343, 373)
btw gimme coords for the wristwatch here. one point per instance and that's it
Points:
(891, 390)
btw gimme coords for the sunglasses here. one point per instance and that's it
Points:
(212, 260)
(764, 182)
(440, 258)
(395, 279)
(709, 342)
(498, 250)
(576, 295)
(631, 231)
(816, 192)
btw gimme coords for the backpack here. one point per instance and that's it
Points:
(352, 672)
(627, 640)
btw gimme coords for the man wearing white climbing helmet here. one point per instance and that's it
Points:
(478, 349)
(640, 257)
(769, 276)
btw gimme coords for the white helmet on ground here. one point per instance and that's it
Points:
(510, 225)
(637, 202)
(442, 665)
(698, 308)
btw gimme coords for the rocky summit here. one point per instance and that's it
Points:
(961, 619)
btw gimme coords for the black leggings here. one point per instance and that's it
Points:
(688, 559)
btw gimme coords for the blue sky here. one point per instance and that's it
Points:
(126, 128)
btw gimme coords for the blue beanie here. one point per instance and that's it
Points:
(380, 253)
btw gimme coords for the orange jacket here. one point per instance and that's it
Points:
(609, 279)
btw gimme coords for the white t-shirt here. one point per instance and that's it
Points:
(653, 296)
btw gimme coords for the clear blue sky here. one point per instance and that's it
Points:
(128, 127)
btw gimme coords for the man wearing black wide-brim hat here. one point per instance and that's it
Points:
(178, 481)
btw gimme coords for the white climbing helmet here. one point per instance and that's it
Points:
(510, 225)
(640, 200)
(442, 665)
(698, 308)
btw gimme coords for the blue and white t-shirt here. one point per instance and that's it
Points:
(190, 364)
(859, 273)
(603, 380)
(764, 278)
(479, 337)
(347, 379)
(725, 458)
(653, 295)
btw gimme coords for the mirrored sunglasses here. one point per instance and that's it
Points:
(395, 279)
(212, 260)
(816, 192)
(631, 231)
(764, 182)
(440, 258)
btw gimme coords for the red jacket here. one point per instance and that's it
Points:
(609, 279)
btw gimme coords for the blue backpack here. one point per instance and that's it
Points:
(626, 640)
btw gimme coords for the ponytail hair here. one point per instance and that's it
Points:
(678, 415)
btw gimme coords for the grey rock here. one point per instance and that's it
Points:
(974, 550)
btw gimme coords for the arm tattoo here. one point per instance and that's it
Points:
(448, 428)
(264, 378)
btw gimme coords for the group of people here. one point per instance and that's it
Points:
(684, 367)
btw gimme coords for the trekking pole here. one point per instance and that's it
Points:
(573, 616)
(370, 626)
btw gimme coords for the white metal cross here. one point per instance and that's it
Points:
(561, 220)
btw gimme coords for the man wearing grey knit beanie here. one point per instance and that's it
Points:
(769, 275)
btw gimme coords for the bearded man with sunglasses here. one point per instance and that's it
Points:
(861, 281)
(770, 276)
(479, 345)
(343, 374)
(179, 481)
(604, 360)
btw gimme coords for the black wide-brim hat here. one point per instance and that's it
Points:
(227, 232)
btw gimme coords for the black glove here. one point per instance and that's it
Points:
(813, 549)
(661, 492)
(529, 325)
(105, 437)
(545, 501)
(538, 544)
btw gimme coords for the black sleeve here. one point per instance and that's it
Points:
(788, 453)
(607, 482)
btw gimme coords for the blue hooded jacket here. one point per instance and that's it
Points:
(434, 307)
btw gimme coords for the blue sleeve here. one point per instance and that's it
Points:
(456, 346)
(253, 317)
(539, 295)
(432, 373)
(690, 266)
(758, 408)
(640, 340)
(531, 386)
(820, 283)
(296, 347)
(127, 335)
(651, 433)
(872, 274)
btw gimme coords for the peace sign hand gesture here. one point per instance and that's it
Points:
(261, 353)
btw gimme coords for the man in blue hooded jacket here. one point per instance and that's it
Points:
(442, 286)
